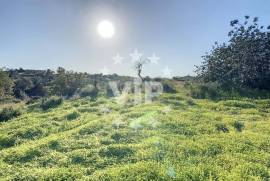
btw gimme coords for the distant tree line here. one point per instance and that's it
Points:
(25, 84)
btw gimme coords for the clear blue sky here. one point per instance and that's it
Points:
(43, 34)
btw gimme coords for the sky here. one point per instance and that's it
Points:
(42, 34)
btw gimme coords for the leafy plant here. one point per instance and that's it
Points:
(168, 87)
(244, 61)
(89, 91)
(239, 126)
(9, 113)
(222, 127)
(51, 102)
(73, 115)
(6, 84)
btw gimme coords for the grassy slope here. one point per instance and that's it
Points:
(151, 142)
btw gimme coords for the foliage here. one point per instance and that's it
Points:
(6, 141)
(168, 87)
(222, 127)
(173, 138)
(6, 84)
(67, 83)
(8, 113)
(215, 91)
(209, 90)
(21, 85)
(89, 91)
(109, 92)
(239, 126)
(244, 61)
(73, 115)
(51, 102)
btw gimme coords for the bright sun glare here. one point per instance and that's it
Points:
(105, 29)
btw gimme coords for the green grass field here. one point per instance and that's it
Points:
(173, 138)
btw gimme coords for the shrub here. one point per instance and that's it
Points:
(190, 102)
(239, 126)
(116, 151)
(168, 87)
(54, 144)
(73, 115)
(6, 84)
(222, 127)
(30, 155)
(109, 92)
(6, 142)
(51, 102)
(204, 91)
(240, 104)
(30, 133)
(90, 129)
(89, 91)
(87, 109)
(213, 149)
(9, 113)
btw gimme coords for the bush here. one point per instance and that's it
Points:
(190, 102)
(222, 127)
(109, 92)
(9, 113)
(73, 115)
(239, 126)
(54, 144)
(6, 142)
(205, 91)
(51, 102)
(240, 104)
(30, 133)
(215, 91)
(6, 84)
(168, 87)
(89, 91)
(116, 151)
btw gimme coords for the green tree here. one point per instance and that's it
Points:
(6, 84)
(244, 61)
(67, 83)
(60, 82)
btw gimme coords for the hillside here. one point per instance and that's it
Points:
(173, 138)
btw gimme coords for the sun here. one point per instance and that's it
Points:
(105, 29)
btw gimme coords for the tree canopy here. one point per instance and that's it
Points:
(6, 84)
(242, 62)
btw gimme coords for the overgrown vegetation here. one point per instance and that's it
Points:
(173, 138)
(51, 102)
(6, 84)
(8, 113)
(213, 128)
